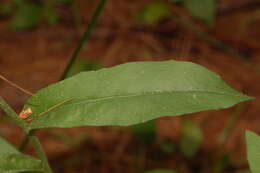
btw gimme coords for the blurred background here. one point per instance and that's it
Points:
(37, 38)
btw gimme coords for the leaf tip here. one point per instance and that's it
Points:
(246, 98)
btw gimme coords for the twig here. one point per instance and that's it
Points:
(16, 86)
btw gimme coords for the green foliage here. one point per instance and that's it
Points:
(191, 138)
(145, 132)
(204, 9)
(51, 15)
(12, 160)
(129, 94)
(253, 151)
(5, 147)
(27, 16)
(154, 13)
(161, 171)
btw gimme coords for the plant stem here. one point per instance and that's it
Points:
(11, 113)
(38, 148)
(25, 141)
(16, 86)
(84, 37)
(36, 144)
(30, 134)
(75, 53)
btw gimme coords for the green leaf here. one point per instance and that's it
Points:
(27, 16)
(191, 138)
(5, 147)
(253, 151)
(129, 94)
(11, 160)
(160, 171)
(153, 13)
(204, 9)
(51, 15)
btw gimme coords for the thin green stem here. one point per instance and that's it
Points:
(84, 37)
(30, 134)
(36, 144)
(12, 114)
(76, 52)
(38, 148)
(25, 141)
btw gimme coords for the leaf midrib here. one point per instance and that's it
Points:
(146, 94)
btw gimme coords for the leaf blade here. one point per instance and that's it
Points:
(11, 160)
(5, 147)
(132, 93)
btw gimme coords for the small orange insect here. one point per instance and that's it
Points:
(25, 114)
